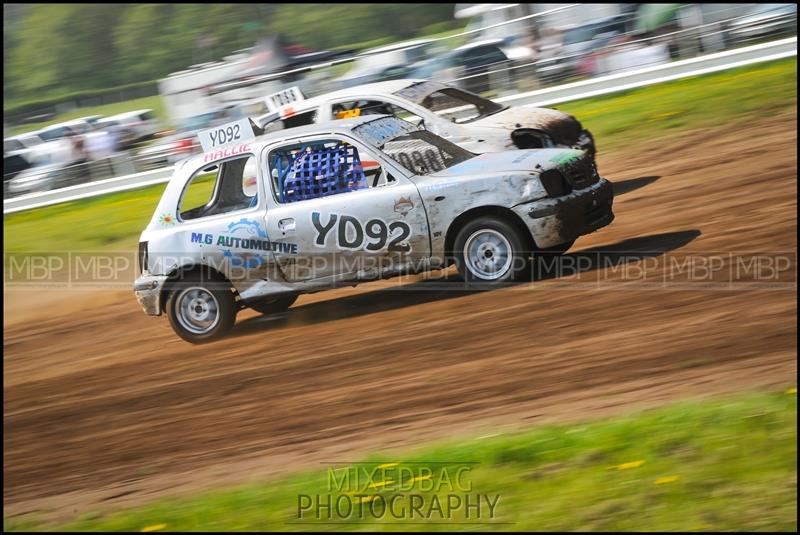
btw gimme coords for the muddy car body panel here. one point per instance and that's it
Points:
(275, 240)
(468, 120)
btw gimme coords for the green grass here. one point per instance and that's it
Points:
(662, 111)
(724, 463)
(154, 103)
(670, 109)
(109, 223)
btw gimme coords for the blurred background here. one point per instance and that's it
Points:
(649, 387)
(131, 98)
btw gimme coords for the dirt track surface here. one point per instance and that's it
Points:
(104, 406)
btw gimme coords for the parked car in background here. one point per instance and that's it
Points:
(764, 20)
(13, 164)
(168, 150)
(468, 66)
(88, 142)
(386, 63)
(182, 143)
(123, 136)
(17, 154)
(573, 55)
(56, 155)
(21, 142)
(143, 123)
(65, 129)
(464, 118)
(52, 166)
(92, 120)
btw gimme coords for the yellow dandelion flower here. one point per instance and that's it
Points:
(626, 466)
(666, 115)
(666, 479)
(792, 390)
(154, 527)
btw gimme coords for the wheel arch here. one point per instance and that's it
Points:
(180, 272)
(500, 212)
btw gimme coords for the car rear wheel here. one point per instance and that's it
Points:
(274, 305)
(490, 251)
(201, 309)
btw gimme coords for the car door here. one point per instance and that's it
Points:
(217, 219)
(477, 63)
(331, 222)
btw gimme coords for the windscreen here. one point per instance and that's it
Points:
(12, 145)
(419, 151)
(460, 106)
(54, 133)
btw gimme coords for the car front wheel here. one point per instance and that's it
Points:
(201, 310)
(489, 250)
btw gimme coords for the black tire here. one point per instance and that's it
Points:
(487, 264)
(273, 305)
(220, 308)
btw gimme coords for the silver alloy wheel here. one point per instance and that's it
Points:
(197, 310)
(488, 254)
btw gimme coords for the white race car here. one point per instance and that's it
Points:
(466, 119)
(256, 222)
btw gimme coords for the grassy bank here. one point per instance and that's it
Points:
(720, 464)
(670, 109)
(662, 111)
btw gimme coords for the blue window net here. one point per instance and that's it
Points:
(320, 171)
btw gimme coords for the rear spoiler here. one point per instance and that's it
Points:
(262, 121)
(258, 130)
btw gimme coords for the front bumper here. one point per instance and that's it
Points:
(556, 221)
(147, 289)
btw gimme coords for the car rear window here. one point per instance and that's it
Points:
(12, 144)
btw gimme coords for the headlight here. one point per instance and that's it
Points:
(555, 183)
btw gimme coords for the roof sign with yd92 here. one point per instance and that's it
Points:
(227, 134)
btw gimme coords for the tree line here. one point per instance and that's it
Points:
(50, 49)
